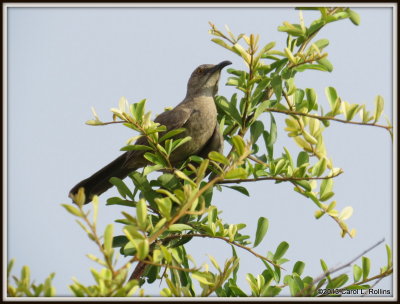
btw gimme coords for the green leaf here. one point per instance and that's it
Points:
(262, 228)
(332, 96)
(309, 138)
(298, 267)
(326, 196)
(318, 214)
(119, 201)
(338, 281)
(304, 184)
(183, 176)
(319, 167)
(270, 291)
(261, 108)
(241, 189)
(281, 250)
(73, 210)
(346, 213)
(236, 173)
(279, 166)
(239, 144)
(154, 158)
(366, 266)
(148, 169)
(142, 248)
(10, 266)
(171, 134)
(293, 286)
(326, 63)
(291, 29)
(354, 17)
(136, 148)
(242, 52)
(273, 132)
(322, 43)
(298, 99)
(179, 227)
(168, 181)
(326, 187)
(164, 206)
(121, 187)
(302, 158)
(303, 67)
(379, 103)
(228, 108)
(324, 266)
(141, 213)
(222, 43)
(138, 110)
(256, 130)
(389, 255)
(179, 142)
(108, 238)
(218, 157)
(276, 84)
(201, 278)
(119, 241)
(357, 272)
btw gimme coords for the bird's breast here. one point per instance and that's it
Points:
(200, 126)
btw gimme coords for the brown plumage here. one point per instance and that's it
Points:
(197, 113)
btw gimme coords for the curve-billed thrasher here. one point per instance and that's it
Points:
(196, 113)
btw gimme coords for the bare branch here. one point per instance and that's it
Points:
(348, 264)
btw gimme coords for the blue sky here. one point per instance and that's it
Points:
(63, 61)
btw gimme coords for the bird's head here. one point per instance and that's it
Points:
(204, 79)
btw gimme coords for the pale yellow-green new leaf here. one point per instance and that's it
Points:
(218, 157)
(141, 213)
(236, 173)
(73, 210)
(302, 143)
(108, 238)
(379, 103)
(308, 137)
(346, 213)
(167, 255)
(239, 144)
(290, 56)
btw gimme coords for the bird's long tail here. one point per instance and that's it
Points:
(99, 181)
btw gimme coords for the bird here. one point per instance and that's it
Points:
(197, 114)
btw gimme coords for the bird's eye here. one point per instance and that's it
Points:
(200, 70)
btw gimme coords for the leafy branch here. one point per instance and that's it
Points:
(324, 118)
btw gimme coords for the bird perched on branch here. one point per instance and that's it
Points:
(197, 114)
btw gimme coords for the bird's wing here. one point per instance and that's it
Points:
(172, 119)
(215, 143)
(175, 118)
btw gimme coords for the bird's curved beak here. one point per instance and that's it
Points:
(220, 66)
(223, 64)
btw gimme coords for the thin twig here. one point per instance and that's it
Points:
(328, 118)
(348, 264)
(277, 178)
(107, 123)
(353, 260)
(259, 161)
(378, 277)
(170, 266)
(96, 239)
(226, 240)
